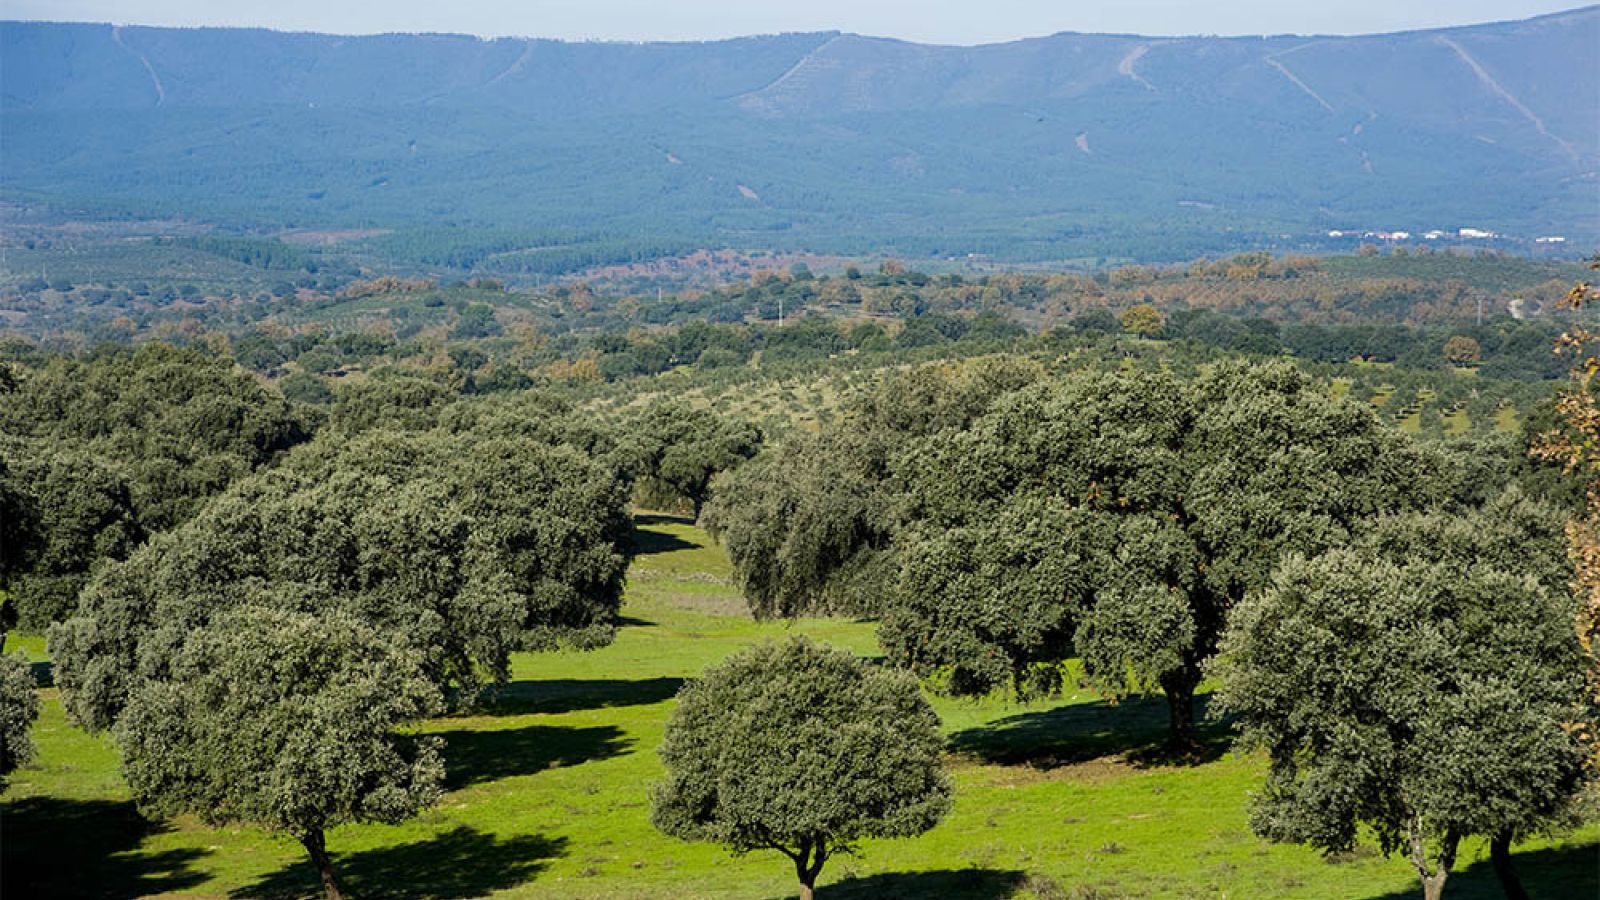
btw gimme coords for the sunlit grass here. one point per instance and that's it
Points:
(548, 796)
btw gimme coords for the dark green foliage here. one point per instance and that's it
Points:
(1424, 683)
(109, 448)
(184, 424)
(85, 515)
(807, 527)
(284, 719)
(1122, 515)
(261, 253)
(19, 532)
(476, 321)
(304, 387)
(467, 547)
(803, 749)
(681, 449)
(809, 524)
(19, 706)
(393, 402)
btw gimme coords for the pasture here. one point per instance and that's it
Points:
(547, 796)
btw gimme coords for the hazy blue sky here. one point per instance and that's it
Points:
(970, 22)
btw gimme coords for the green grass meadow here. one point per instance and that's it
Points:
(547, 796)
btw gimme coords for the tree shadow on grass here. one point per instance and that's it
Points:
(1135, 729)
(954, 884)
(553, 696)
(1570, 871)
(461, 863)
(86, 848)
(478, 756)
(646, 543)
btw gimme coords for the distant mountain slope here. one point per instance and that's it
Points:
(1038, 148)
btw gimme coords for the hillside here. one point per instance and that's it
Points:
(1048, 148)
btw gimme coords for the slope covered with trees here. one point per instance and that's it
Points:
(1051, 148)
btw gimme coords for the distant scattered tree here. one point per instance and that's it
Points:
(868, 336)
(1142, 319)
(475, 321)
(1096, 321)
(304, 387)
(19, 707)
(803, 749)
(1425, 683)
(683, 448)
(320, 360)
(1462, 351)
(289, 720)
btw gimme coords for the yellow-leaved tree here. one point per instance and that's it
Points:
(1575, 443)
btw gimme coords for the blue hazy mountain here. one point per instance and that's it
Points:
(1036, 148)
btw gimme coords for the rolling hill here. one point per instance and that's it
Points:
(1047, 148)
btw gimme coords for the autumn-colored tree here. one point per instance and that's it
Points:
(1574, 444)
(1462, 351)
(1142, 319)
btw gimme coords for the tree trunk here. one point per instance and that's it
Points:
(1500, 856)
(808, 868)
(1179, 686)
(1432, 881)
(316, 845)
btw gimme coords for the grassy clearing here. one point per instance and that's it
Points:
(548, 797)
(1506, 418)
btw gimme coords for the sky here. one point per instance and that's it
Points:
(933, 21)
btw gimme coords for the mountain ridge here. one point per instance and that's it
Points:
(1491, 23)
(831, 141)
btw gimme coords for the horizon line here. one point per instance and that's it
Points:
(833, 31)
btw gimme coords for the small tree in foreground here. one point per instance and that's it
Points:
(1427, 685)
(803, 749)
(285, 720)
